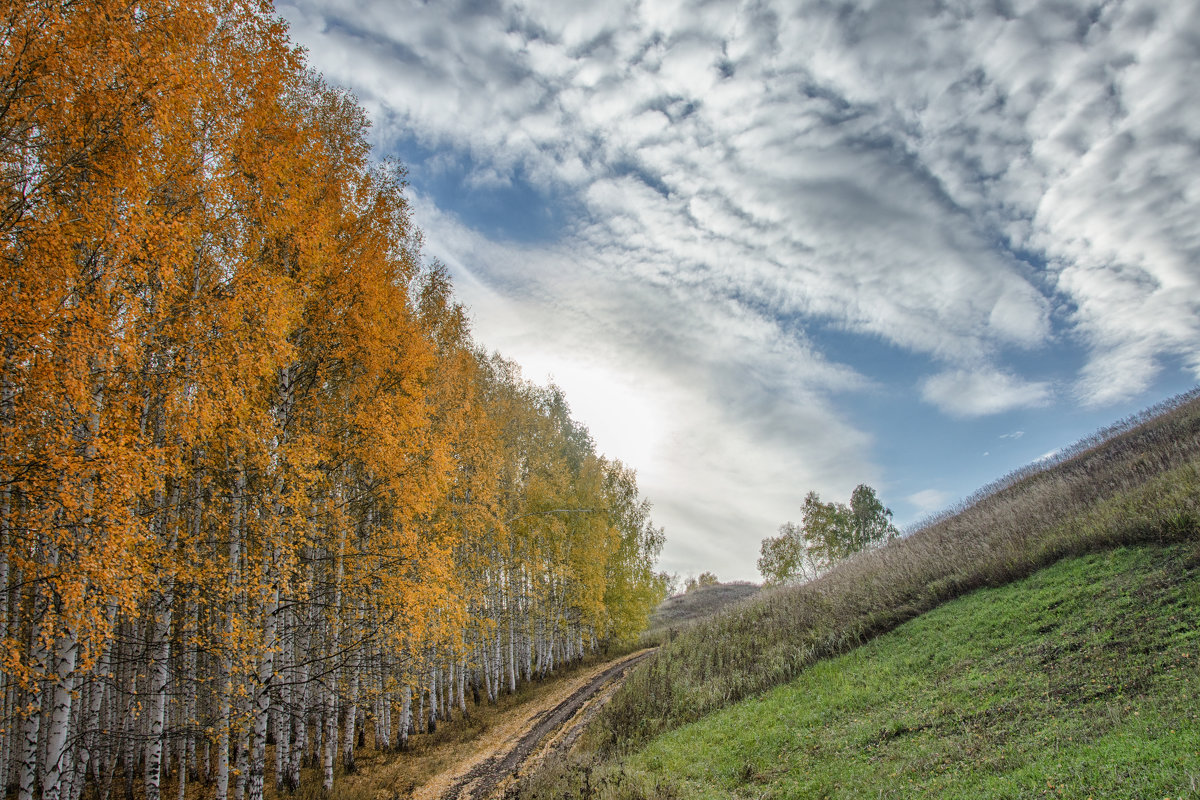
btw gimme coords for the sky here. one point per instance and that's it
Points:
(772, 247)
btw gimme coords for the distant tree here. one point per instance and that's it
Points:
(870, 521)
(705, 579)
(788, 557)
(830, 532)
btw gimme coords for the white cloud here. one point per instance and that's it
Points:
(1068, 130)
(977, 393)
(928, 501)
(751, 177)
(1048, 455)
(726, 418)
(970, 183)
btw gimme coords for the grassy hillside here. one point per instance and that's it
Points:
(681, 610)
(1081, 681)
(1138, 482)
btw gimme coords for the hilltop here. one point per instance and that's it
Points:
(702, 602)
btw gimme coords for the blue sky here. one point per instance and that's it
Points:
(772, 247)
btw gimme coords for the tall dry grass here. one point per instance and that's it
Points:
(1137, 481)
(681, 610)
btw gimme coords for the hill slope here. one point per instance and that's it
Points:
(679, 611)
(1081, 681)
(1136, 484)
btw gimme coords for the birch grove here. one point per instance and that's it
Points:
(263, 501)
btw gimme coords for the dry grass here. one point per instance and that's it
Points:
(681, 610)
(1077, 682)
(1138, 481)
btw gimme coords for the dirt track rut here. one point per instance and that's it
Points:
(555, 729)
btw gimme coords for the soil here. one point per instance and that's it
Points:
(519, 748)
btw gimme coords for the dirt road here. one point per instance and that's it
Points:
(518, 747)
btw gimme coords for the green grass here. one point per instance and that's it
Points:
(1136, 483)
(1097, 701)
(1080, 681)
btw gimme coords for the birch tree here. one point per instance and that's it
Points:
(255, 476)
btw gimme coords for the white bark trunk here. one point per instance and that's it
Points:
(351, 714)
(434, 680)
(225, 678)
(262, 697)
(461, 686)
(330, 736)
(27, 766)
(282, 732)
(243, 763)
(405, 715)
(511, 653)
(56, 767)
(159, 627)
(302, 691)
(27, 772)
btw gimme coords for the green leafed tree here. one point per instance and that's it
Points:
(705, 579)
(829, 533)
(789, 557)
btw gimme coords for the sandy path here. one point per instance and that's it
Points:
(531, 731)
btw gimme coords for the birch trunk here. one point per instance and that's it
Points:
(243, 762)
(351, 714)
(511, 663)
(262, 695)
(187, 761)
(497, 666)
(462, 686)
(225, 702)
(330, 737)
(302, 691)
(280, 701)
(73, 776)
(331, 699)
(89, 734)
(129, 725)
(8, 712)
(405, 715)
(159, 654)
(7, 397)
(27, 766)
(433, 699)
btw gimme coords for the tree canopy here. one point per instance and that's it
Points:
(257, 481)
(699, 582)
(828, 533)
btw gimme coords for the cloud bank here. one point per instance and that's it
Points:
(984, 187)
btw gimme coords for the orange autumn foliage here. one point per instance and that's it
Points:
(253, 470)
